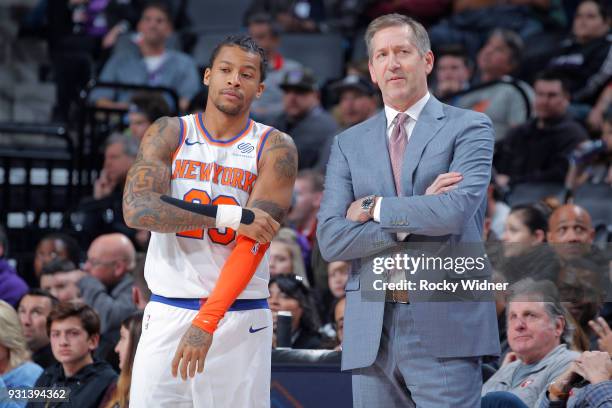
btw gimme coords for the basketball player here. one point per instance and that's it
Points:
(209, 273)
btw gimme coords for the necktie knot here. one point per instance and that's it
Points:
(401, 118)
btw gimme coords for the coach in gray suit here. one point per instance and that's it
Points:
(378, 187)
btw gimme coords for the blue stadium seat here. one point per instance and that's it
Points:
(216, 15)
(323, 53)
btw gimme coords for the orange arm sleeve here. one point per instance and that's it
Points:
(233, 279)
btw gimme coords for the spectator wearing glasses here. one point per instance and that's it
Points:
(106, 282)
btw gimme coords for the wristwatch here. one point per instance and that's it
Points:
(367, 205)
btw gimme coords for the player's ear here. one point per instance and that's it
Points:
(206, 79)
(260, 88)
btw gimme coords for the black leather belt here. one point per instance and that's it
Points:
(396, 296)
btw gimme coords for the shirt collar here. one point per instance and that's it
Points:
(414, 111)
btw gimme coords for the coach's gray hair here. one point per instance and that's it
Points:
(130, 145)
(420, 38)
(546, 292)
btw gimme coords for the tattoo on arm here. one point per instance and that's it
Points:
(281, 160)
(147, 180)
(275, 210)
(194, 337)
(285, 160)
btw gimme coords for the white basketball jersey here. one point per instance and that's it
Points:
(208, 171)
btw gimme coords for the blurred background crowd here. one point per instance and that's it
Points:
(81, 80)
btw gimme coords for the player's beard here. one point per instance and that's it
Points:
(228, 109)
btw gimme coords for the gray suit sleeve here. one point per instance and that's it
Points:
(111, 310)
(341, 239)
(444, 214)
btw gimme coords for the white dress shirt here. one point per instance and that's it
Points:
(413, 113)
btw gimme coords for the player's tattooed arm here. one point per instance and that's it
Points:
(149, 178)
(277, 172)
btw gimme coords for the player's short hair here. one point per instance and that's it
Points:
(420, 38)
(246, 43)
(82, 311)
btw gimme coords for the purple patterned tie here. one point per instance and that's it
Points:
(397, 146)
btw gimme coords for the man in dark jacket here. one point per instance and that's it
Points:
(303, 117)
(537, 150)
(74, 330)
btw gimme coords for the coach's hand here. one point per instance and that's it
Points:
(191, 352)
(262, 229)
(443, 183)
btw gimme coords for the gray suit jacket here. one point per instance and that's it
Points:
(444, 139)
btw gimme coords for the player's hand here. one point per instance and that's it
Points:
(262, 229)
(191, 352)
(444, 182)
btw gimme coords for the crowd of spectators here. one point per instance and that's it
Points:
(73, 320)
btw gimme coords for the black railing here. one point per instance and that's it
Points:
(23, 195)
(96, 122)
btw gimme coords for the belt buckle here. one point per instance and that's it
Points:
(397, 300)
(396, 297)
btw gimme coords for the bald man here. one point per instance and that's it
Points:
(571, 231)
(106, 281)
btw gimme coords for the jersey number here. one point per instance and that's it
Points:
(221, 236)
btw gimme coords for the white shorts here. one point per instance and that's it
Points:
(236, 369)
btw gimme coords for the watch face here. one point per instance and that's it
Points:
(367, 203)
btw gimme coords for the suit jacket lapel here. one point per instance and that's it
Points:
(377, 143)
(429, 123)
